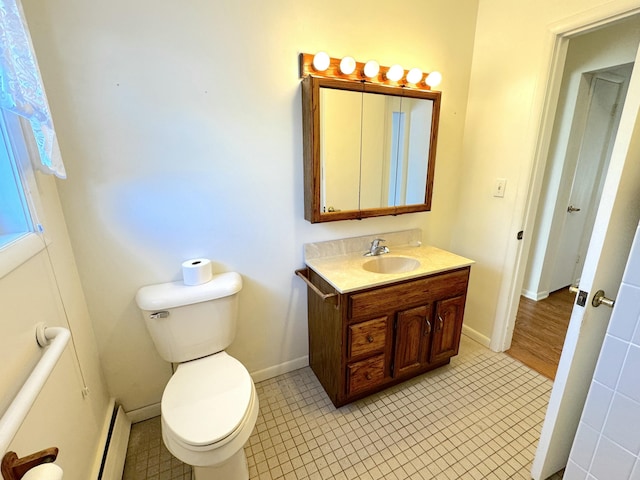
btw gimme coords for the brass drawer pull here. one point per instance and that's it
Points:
(368, 376)
(370, 338)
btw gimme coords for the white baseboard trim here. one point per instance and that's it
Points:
(476, 336)
(97, 464)
(144, 413)
(117, 449)
(114, 439)
(281, 368)
(535, 296)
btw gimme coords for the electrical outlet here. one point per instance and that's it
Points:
(499, 186)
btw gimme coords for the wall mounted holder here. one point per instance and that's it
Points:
(14, 468)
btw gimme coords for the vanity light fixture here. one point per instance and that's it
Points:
(395, 72)
(371, 69)
(348, 68)
(348, 65)
(433, 79)
(321, 61)
(414, 76)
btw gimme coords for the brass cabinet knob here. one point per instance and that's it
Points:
(369, 338)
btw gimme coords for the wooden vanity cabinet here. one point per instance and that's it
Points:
(364, 341)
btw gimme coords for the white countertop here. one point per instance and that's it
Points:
(345, 272)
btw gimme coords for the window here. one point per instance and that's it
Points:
(15, 216)
(26, 134)
(19, 225)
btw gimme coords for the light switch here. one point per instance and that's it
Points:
(499, 186)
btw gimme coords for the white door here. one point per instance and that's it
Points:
(607, 443)
(616, 221)
(596, 141)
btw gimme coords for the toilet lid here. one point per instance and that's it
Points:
(207, 399)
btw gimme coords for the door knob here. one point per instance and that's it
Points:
(572, 209)
(600, 299)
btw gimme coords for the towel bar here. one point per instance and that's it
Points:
(56, 338)
(303, 274)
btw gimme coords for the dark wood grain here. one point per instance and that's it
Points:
(14, 468)
(367, 337)
(311, 85)
(410, 340)
(372, 339)
(325, 338)
(365, 375)
(447, 328)
(540, 331)
(422, 291)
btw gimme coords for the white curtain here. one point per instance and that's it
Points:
(21, 88)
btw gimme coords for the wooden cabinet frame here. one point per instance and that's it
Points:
(374, 338)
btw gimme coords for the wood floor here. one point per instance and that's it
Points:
(540, 329)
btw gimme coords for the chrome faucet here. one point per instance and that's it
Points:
(377, 249)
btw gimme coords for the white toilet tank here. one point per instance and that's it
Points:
(188, 322)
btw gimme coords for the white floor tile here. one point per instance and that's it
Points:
(478, 417)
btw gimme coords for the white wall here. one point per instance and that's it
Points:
(180, 125)
(597, 50)
(510, 71)
(607, 444)
(46, 288)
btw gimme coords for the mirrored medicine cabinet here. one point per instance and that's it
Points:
(369, 149)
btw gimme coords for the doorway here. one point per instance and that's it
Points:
(595, 81)
(617, 218)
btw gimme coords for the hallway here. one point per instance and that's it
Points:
(540, 330)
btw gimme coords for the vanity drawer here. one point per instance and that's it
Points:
(367, 337)
(365, 374)
(444, 285)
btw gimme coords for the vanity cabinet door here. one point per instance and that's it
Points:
(447, 327)
(371, 339)
(413, 332)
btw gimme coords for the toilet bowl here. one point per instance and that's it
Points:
(209, 409)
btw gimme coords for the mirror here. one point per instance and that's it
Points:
(369, 149)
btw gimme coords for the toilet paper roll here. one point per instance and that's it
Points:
(196, 271)
(46, 471)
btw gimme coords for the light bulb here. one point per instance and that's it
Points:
(395, 72)
(347, 65)
(433, 79)
(414, 75)
(321, 61)
(371, 69)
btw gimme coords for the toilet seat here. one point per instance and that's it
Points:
(207, 400)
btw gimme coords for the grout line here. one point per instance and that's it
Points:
(479, 417)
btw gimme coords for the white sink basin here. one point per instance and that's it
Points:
(385, 264)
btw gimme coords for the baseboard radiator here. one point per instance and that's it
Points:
(115, 449)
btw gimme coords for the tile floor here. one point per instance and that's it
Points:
(477, 418)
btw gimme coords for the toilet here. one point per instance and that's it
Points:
(210, 406)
